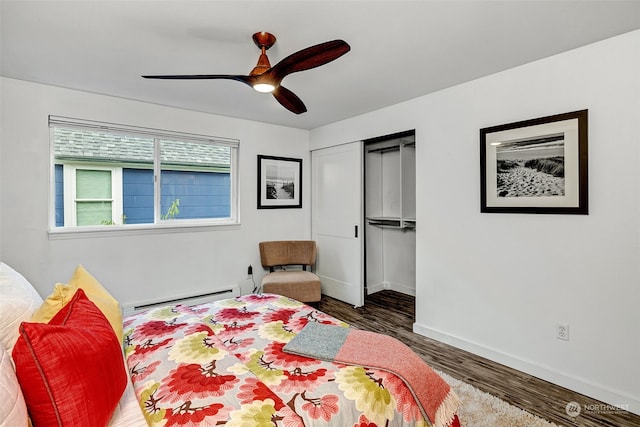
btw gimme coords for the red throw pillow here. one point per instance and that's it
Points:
(71, 369)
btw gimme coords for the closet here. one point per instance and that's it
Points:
(390, 213)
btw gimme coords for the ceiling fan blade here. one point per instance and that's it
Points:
(310, 57)
(249, 80)
(289, 100)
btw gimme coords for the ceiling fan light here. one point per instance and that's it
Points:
(264, 87)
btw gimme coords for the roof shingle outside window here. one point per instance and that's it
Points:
(74, 144)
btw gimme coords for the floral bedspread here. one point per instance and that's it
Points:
(222, 364)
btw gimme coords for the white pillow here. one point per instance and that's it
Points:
(13, 410)
(18, 301)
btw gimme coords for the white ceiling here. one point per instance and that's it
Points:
(399, 49)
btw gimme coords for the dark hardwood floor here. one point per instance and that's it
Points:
(392, 313)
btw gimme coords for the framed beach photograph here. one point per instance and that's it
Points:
(536, 166)
(279, 182)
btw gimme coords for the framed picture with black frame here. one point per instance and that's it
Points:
(536, 166)
(279, 182)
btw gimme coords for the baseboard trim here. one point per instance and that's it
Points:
(372, 289)
(402, 289)
(377, 287)
(579, 385)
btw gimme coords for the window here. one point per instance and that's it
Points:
(94, 198)
(115, 175)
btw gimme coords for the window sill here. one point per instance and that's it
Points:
(60, 233)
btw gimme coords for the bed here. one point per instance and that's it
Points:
(220, 363)
(225, 362)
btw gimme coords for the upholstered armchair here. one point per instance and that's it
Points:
(289, 263)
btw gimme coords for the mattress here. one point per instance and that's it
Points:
(222, 363)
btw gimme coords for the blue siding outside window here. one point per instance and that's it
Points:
(201, 194)
(137, 196)
(59, 184)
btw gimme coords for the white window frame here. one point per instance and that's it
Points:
(160, 226)
(70, 187)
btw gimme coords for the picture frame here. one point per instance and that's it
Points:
(537, 166)
(279, 182)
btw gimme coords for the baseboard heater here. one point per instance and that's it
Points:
(189, 300)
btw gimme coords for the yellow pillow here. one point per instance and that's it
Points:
(63, 293)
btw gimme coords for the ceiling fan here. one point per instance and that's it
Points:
(265, 78)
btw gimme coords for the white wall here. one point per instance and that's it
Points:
(496, 284)
(141, 267)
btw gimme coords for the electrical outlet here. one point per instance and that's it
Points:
(249, 270)
(562, 331)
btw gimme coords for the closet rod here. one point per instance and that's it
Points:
(384, 149)
(395, 147)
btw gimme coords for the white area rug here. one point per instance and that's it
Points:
(480, 409)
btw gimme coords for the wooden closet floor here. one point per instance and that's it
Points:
(393, 313)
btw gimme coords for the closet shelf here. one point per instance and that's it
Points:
(393, 222)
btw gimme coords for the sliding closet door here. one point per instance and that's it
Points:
(336, 224)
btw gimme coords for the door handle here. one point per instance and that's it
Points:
(355, 229)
